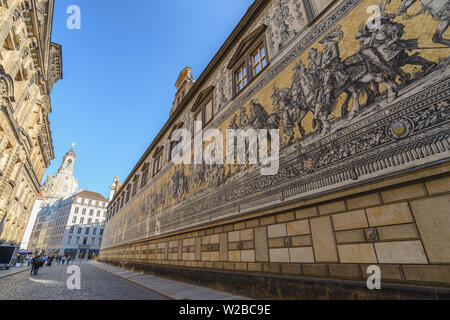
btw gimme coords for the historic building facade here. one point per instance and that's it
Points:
(30, 64)
(68, 221)
(72, 226)
(359, 93)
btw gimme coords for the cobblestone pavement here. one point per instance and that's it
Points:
(50, 284)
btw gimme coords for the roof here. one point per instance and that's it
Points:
(91, 195)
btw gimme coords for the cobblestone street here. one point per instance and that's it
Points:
(50, 284)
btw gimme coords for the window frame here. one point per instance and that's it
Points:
(144, 176)
(310, 14)
(245, 79)
(208, 101)
(260, 61)
(246, 59)
(204, 98)
(196, 113)
(157, 162)
(134, 189)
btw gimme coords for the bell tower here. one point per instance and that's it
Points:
(114, 188)
(68, 162)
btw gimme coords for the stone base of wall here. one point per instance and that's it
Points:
(273, 287)
(400, 224)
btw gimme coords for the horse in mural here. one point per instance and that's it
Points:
(316, 89)
(439, 10)
(290, 113)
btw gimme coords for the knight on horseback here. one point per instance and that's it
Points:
(439, 10)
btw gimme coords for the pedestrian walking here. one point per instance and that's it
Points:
(38, 262)
(69, 259)
(33, 263)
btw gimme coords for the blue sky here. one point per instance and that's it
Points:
(119, 75)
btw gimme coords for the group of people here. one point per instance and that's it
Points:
(39, 261)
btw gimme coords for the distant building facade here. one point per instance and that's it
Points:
(72, 226)
(68, 222)
(362, 108)
(30, 65)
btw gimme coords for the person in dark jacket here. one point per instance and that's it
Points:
(33, 263)
(37, 263)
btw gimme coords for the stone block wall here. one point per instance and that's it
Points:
(404, 229)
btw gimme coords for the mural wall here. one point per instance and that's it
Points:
(354, 99)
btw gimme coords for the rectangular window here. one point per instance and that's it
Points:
(78, 240)
(89, 221)
(87, 230)
(74, 220)
(69, 240)
(79, 231)
(91, 212)
(135, 184)
(157, 164)
(314, 8)
(72, 228)
(209, 112)
(198, 119)
(241, 77)
(76, 210)
(98, 213)
(144, 179)
(249, 63)
(81, 220)
(84, 211)
(259, 60)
